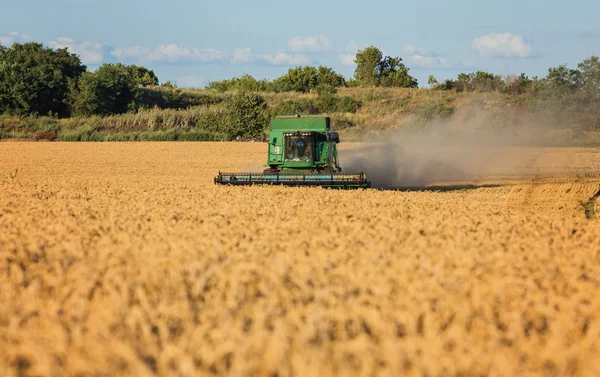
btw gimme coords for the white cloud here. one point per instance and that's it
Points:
(171, 53)
(12, 37)
(349, 54)
(504, 45)
(89, 52)
(422, 61)
(18, 35)
(190, 82)
(313, 43)
(423, 58)
(283, 58)
(414, 50)
(246, 55)
(347, 59)
(410, 49)
(132, 53)
(242, 56)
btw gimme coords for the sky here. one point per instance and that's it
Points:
(193, 42)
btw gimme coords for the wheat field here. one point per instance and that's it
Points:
(124, 259)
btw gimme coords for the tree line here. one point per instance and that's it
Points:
(373, 69)
(561, 80)
(565, 95)
(37, 80)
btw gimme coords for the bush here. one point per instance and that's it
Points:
(348, 105)
(199, 136)
(44, 135)
(341, 123)
(244, 82)
(248, 116)
(327, 103)
(157, 136)
(111, 89)
(143, 76)
(212, 120)
(81, 134)
(322, 89)
(299, 79)
(434, 110)
(173, 98)
(328, 77)
(514, 84)
(39, 124)
(121, 136)
(479, 81)
(302, 107)
(88, 134)
(447, 85)
(330, 103)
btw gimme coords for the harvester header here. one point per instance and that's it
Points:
(302, 151)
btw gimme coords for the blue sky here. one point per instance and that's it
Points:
(194, 42)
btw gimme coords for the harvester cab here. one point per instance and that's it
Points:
(302, 144)
(302, 151)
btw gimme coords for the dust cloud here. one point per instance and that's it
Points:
(442, 153)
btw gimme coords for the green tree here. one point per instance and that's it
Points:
(169, 84)
(298, 79)
(514, 84)
(37, 80)
(327, 76)
(111, 89)
(432, 81)
(486, 82)
(248, 115)
(367, 63)
(562, 79)
(247, 82)
(590, 90)
(590, 77)
(143, 76)
(393, 73)
(463, 82)
(244, 82)
(447, 85)
(374, 69)
(558, 97)
(352, 83)
(479, 81)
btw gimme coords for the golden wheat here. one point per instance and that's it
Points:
(125, 260)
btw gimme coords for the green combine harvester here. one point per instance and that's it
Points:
(302, 152)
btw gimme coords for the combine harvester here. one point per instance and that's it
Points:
(302, 152)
